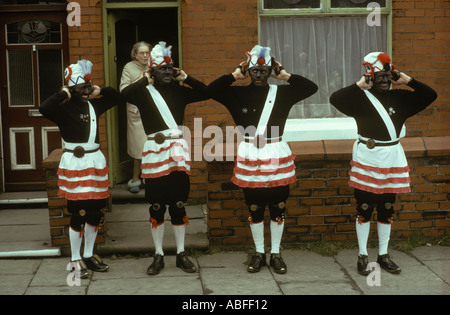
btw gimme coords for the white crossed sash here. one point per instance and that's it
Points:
(93, 125)
(267, 110)
(163, 108)
(384, 116)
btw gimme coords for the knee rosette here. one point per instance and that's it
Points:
(256, 213)
(385, 212)
(177, 212)
(277, 212)
(364, 212)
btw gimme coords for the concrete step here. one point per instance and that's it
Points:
(23, 200)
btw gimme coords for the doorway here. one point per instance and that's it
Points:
(125, 28)
(31, 69)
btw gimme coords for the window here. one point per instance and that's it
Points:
(34, 54)
(324, 41)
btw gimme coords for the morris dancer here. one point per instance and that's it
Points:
(265, 164)
(83, 172)
(379, 169)
(166, 161)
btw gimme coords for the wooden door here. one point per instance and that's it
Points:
(34, 52)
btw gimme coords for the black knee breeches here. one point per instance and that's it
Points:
(367, 202)
(257, 199)
(85, 211)
(170, 191)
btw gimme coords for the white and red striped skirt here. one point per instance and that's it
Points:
(85, 177)
(383, 169)
(270, 166)
(162, 159)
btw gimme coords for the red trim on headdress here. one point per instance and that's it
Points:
(384, 58)
(87, 78)
(166, 59)
(261, 61)
(369, 69)
(67, 78)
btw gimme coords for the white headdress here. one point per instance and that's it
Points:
(161, 55)
(259, 56)
(377, 61)
(78, 73)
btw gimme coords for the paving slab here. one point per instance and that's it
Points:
(312, 274)
(415, 277)
(226, 274)
(437, 258)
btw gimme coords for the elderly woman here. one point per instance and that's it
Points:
(136, 136)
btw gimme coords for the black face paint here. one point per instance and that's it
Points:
(163, 74)
(382, 81)
(260, 75)
(82, 91)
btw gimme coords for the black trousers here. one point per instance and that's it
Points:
(171, 190)
(367, 202)
(257, 199)
(85, 211)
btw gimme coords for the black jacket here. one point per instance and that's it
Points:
(246, 103)
(175, 95)
(401, 103)
(72, 116)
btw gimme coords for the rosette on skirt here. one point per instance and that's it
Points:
(383, 169)
(162, 159)
(83, 178)
(269, 166)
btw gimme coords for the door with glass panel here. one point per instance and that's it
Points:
(32, 62)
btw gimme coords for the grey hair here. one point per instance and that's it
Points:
(136, 47)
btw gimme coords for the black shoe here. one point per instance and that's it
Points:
(258, 261)
(277, 263)
(95, 263)
(363, 261)
(156, 266)
(387, 264)
(80, 269)
(185, 264)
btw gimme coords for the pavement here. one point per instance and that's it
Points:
(425, 270)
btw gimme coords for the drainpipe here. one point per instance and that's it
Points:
(31, 253)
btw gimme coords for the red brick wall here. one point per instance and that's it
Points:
(421, 48)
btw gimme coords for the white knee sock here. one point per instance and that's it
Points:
(276, 233)
(384, 233)
(362, 232)
(158, 236)
(75, 243)
(90, 234)
(258, 236)
(179, 231)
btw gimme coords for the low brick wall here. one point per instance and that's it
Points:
(59, 217)
(321, 206)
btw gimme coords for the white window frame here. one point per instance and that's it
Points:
(312, 129)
